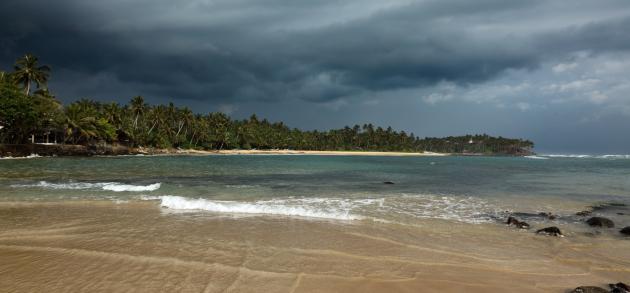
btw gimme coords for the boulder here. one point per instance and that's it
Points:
(517, 223)
(619, 288)
(625, 231)
(583, 213)
(553, 231)
(589, 289)
(600, 222)
(549, 216)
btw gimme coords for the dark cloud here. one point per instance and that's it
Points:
(328, 52)
(167, 49)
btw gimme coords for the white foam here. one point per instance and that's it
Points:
(69, 185)
(612, 156)
(110, 186)
(116, 187)
(337, 209)
(401, 208)
(536, 157)
(568, 156)
(31, 156)
(432, 206)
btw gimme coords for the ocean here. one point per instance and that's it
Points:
(439, 211)
(469, 189)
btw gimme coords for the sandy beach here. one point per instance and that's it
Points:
(136, 246)
(302, 152)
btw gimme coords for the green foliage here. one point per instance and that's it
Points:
(27, 72)
(18, 116)
(167, 126)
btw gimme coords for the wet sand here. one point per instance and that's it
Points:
(91, 246)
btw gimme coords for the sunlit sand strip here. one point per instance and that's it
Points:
(299, 152)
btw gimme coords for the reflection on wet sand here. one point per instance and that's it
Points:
(135, 246)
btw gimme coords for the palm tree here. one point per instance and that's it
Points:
(5, 77)
(137, 107)
(27, 72)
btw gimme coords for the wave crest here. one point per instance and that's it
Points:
(401, 209)
(109, 186)
(337, 209)
(135, 188)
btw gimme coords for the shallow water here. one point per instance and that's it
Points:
(310, 223)
(470, 189)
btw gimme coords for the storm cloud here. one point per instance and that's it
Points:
(355, 61)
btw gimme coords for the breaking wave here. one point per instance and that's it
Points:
(589, 156)
(401, 208)
(536, 157)
(110, 186)
(31, 156)
(136, 188)
(334, 209)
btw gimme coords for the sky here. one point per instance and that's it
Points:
(554, 72)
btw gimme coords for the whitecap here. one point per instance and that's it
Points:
(336, 209)
(109, 186)
(116, 187)
(405, 208)
(536, 157)
(31, 156)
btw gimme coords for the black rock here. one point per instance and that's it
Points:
(388, 182)
(619, 288)
(549, 216)
(600, 222)
(589, 289)
(625, 231)
(517, 223)
(583, 213)
(553, 231)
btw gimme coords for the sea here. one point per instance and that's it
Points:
(346, 188)
(302, 223)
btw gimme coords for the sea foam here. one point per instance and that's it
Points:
(613, 156)
(337, 209)
(110, 186)
(31, 156)
(136, 188)
(536, 157)
(401, 208)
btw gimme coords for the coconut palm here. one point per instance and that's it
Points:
(138, 108)
(27, 72)
(5, 77)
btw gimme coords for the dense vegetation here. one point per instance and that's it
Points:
(28, 116)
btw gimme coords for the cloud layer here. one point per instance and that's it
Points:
(274, 56)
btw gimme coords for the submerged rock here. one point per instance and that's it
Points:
(589, 289)
(517, 223)
(583, 213)
(553, 231)
(619, 288)
(600, 222)
(388, 182)
(611, 208)
(625, 231)
(549, 216)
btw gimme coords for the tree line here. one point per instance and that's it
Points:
(29, 113)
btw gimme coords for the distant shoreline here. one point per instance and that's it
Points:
(61, 150)
(306, 152)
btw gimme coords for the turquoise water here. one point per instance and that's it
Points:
(469, 189)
